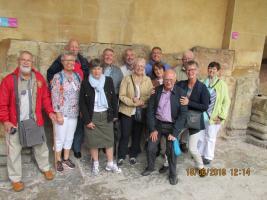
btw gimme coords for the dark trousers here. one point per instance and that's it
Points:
(129, 127)
(164, 129)
(78, 136)
(117, 133)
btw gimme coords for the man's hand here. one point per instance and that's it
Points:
(154, 136)
(171, 137)
(153, 91)
(91, 125)
(8, 126)
(53, 117)
(184, 101)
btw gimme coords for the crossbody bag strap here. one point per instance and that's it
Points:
(135, 92)
(30, 98)
(16, 96)
(215, 83)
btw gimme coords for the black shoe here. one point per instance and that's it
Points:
(163, 169)
(206, 161)
(120, 162)
(173, 180)
(132, 161)
(183, 147)
(147, 172)
(77, 154)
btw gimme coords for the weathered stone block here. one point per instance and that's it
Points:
(26, 151)
(48, 52)
(260, 104)
(260, 114)
(258, 119)
(2, 131)
(3, 173)
(246, 88)
(3, 161)
(253, 140)
(16, 46)
(3, 149)
(26, 158)
(257, 134)
(258, 127)
(206, 55)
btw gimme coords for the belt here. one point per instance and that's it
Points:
(165, 122)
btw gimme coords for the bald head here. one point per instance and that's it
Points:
(169, 79)
(187, 56)
(73, 46)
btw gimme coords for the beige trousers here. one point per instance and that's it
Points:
(14, 148)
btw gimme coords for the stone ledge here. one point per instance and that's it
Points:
(252, 140)
(258, 119)
(3, 174)
(3, 160)
(257, 134)
(258, 127)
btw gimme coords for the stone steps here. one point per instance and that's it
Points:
(257, 127)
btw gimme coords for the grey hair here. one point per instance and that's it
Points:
(66, 53)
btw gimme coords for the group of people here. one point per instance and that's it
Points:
(92, 102)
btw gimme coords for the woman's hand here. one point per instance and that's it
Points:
(217, 120)
(141, 103)
(91, 125)
(184, 101)
(60, 118)
(135, 99)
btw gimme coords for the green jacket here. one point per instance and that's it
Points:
(222, 102)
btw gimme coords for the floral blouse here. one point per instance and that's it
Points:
(65, 94)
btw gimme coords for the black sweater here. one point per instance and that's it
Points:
(87, 100)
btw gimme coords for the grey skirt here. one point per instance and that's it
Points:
(102, 135)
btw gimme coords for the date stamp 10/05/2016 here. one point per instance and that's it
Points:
(235, 172)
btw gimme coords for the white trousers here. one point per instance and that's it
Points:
(193, 149)
(207, 140)
(65, 133)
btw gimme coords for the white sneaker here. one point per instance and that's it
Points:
(95, 170)
(114, 168)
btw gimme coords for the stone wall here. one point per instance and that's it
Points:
(119, 21)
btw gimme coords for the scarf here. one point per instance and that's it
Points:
(98, 85)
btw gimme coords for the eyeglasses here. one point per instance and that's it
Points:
(25, 60)
(192, 69)
(69, 60)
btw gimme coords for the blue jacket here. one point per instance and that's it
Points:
(199, 99)
(178, 111)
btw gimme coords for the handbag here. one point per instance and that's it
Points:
(30, 133)
(176, 147)
(140, 113)
(193, 119)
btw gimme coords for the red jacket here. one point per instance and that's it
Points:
(8, 102)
